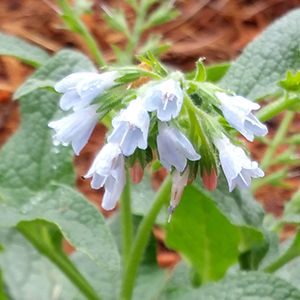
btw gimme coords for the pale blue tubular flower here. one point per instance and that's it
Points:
(108, 170)
(131, 128)
(77, 127)
(80, 89)
(166, 97)
(174, 148)
(237, 112)
(237, 167)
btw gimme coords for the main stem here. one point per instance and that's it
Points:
(142, 239)
(135, 37)
(60, 260)
(126, 219)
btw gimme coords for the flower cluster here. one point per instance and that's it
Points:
(155, 110)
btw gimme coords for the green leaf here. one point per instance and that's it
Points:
(266, 60)
(200, 71)
(28, 275)
(214, 73)
(240, 286)
(16, 47)
(243, 211)
(79, 221)
(58, 67)
(150, 279)
(291, 83)
(203, 235)
(149, 283)
(239, 207)
(35, 172)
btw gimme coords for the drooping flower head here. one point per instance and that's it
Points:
(80, 89)
(166, 97)
(174, 148)
(77, 127)
(237, 112)
(108, 170)
(131, 128)
(237, 167)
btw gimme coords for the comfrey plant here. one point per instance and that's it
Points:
(196, 126)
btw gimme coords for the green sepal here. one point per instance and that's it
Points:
(153, 44)
(156, 165)
(143, 156)
(207, 91)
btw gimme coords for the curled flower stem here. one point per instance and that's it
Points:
(75, 21)
(126, 219)
(142, 239)
(59, 259)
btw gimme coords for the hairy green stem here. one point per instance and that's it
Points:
(59, 259)
(279, 137)
(275, 108)
(74, 21)
(126, 219)
(142, 239)
(286, 257)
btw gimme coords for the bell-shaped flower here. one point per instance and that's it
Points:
(108, 170)
(80, 89)
(131, 128)
(237, 167)
(237, 112)
(77, 127)
(166, 97)
(178, 184)
(174, 148)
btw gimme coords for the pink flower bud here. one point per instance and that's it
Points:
(136, 173)
(210, 181)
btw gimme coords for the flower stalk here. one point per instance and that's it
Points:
(141, 240)
(126, 219)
